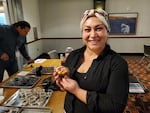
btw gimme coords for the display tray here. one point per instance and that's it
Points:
(42, 70)
(4, 109)
(21, 82)
(36, 110)
(30, 98)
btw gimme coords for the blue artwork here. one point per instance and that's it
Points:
(122, 25)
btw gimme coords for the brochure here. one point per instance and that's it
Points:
(135, 85)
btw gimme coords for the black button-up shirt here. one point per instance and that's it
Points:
(106, 83)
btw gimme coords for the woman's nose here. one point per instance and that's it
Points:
(93, 33)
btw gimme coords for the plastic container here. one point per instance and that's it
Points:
(67, 51)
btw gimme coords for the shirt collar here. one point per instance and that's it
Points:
(104, 52)
(102, 55)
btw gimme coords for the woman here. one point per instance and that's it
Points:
(98, 78)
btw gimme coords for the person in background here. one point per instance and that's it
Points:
(12, 37)
(98, 78)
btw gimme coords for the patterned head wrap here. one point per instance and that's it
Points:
(99, 13)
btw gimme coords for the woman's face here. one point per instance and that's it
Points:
(94, 34)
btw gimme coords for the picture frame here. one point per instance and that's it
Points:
(123, 23)
(99, 4)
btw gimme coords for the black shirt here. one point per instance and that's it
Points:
(106, 83)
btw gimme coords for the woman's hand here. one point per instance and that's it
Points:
(69, 85)
(72, 86)
(65, 83)
(61, 76)
(56, 78)
(59, 73)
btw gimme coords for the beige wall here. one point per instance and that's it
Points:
(131, 45)
(126, 6)
(61, 18)
(31, 14)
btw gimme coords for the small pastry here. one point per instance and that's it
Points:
(62, 71)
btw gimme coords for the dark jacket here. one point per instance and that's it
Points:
(106, 83)
(10, 40)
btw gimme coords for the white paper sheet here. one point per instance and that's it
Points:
(23, 73)
(40, 60)
(136, 88)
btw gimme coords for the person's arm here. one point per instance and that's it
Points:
(1, 52)
(3, 55)
(113, 93)
(81, 94)
(23, 50)
(115, 98)
(72, 86)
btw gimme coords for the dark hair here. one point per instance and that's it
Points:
(22, 24)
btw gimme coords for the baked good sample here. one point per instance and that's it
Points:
(61, 71)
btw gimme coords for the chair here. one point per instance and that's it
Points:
(146, 52)
(53, 54)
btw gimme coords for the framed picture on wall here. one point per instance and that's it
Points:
(123, 23)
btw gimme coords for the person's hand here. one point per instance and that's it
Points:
(56, 78)
(30, 61)
(4, 57)
(69, 85)
(58, 74)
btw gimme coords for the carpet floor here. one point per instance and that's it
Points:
(139, 103)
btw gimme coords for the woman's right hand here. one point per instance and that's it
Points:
(59, 73)
(56, 78)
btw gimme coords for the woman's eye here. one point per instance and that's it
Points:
(99, 28)
(86, 30)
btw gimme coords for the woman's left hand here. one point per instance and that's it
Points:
(69, 84)
(72, 86)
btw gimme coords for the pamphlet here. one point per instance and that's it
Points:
(40, 60)
(135, 85)
(136, 88)
(23, 73)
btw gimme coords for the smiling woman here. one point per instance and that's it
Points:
(94, 71)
